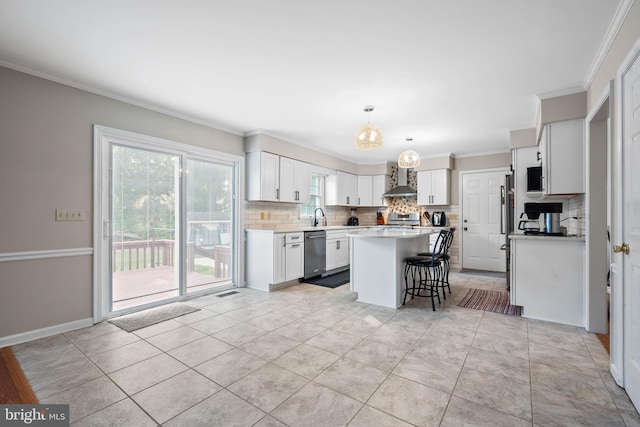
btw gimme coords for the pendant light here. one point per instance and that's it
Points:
(409, 158)
(368, 137)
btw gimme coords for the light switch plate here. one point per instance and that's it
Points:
(69, 214)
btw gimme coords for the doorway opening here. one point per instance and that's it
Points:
(167, 216)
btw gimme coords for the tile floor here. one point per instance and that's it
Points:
(313, 356)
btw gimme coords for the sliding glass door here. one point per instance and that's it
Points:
(210, 213)
(168, 219)
(145, 217)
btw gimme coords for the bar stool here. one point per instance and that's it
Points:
(421, 275)
(441, 253)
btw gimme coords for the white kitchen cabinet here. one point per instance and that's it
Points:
(433, 187)
(294, 181)
(279, 258)
(365, 190)
(273, 259)
(562, 157)
(380, 187)
(547, 278)
(341, 189)
(263, 176)
(294, 256)
(276, 179)
(337, 249)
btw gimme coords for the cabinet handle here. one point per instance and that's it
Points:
(277, 194)
(538, 158)
(338, 244)
(296, 245)
(348, 199)
(359, 202)
(295, 237)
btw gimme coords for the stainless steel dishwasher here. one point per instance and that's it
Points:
(315, 253)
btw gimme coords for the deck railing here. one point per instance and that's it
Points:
(138, 254)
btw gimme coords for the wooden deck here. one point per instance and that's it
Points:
(145, 285)
(135, 282)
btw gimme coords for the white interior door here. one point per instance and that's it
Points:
(631, 227)
(481, 221)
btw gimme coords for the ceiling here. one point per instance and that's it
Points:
(454, 75)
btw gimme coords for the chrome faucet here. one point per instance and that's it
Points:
(315, 216)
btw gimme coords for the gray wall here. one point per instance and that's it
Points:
(489, 161)
(46, 162)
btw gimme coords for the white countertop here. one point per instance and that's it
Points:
(319, 228)
(392, 233)
(567, 238)
(339, 227)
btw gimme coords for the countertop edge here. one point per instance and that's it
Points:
(543, 237)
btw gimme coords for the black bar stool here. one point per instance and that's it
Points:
(441, 253)
(421, 275)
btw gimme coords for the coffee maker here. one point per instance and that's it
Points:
(353, 220)
(550, 219)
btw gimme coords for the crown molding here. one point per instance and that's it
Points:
(612, 32)
(110, 95)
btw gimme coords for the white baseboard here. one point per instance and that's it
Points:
(44, 332)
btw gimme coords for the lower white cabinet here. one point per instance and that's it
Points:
(547, 278)
(293, 256)
(273, 258)
(337, 249)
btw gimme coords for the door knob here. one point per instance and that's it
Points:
(624, 248)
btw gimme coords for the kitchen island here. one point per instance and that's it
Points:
(377, 262)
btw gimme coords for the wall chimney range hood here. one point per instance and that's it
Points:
(403, 189)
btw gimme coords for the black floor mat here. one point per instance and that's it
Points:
(332, 281)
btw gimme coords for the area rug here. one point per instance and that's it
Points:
(487, 300)
(133, 322)
(14, 386)
(331, 281)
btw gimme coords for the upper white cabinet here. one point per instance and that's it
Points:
(342, 189)
(345, 189)
(433, 187)
(380, 187)
(276, 179)
(294, 181)
(562, 157)
(365, 190)
(263, 176)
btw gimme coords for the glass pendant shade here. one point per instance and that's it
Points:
(368, 137)
(409, 159)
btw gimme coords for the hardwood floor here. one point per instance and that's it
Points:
(14, 386)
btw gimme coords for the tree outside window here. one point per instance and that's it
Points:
(316, 199)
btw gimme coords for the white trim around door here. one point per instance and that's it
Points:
(104, 138)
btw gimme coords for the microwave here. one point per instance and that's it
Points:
(534, 179)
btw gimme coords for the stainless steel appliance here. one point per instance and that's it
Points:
(315, 253)
(507, 225)
(402, 189)
(438, 219)
(410, 219)
(551, 218)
